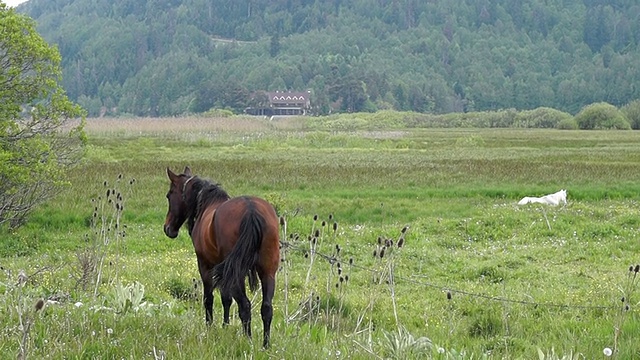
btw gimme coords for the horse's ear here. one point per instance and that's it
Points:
(187, 171)
(171, 175)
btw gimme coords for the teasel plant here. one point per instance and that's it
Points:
(107, 232)
(284, 259)
(387, 250)
(630, 285)
(27, 315)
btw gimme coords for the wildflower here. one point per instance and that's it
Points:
(441, 350)
(607, 352)
(109, 331)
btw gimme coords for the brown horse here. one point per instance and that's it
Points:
(233, 238)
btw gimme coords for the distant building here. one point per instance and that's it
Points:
(281, 103)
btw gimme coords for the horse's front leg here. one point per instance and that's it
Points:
(207, 298)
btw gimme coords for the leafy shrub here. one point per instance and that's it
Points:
(632, 113)
(601, 116)
(218, 113)
(568, 124)
(541, 117)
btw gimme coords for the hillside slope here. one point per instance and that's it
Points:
(169, 57)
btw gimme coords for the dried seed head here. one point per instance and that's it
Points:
(375, 253)
(330, 216)
(346, 278)
(626, 307)
(400, 242)
(337, 285)
(350, 261)
(335, 226)
(448, 295)
(119, 176)
(339, 271)
(315, 217)
(317, 233)
(631, 268)
(404, 229)
(306, 255)
(108, 192)
(382, 252)
(622, 299)
(281, 220)
(379, 240)
(39, 305)
(637, 268)
(324, 223)
(341, 279)
(105, 183)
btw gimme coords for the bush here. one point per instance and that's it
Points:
(217, 113)
(601, 116)
(541, 117)
(568, 124)
(632, 113)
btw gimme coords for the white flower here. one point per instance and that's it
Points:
(109, 331)
(78, 304)
(607, 352)
(441, 350)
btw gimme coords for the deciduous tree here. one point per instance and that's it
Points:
(40, 134)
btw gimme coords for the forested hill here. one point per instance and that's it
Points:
(170, 57)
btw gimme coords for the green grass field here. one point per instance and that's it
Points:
(478, 276)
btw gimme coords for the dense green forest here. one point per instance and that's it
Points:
(171, 57)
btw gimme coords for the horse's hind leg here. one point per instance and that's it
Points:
(244, 308)
(226, 305)
(268, 289)
(207, 298)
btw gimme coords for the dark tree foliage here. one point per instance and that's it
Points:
(173, 57)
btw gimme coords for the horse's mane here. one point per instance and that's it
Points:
(203, 193)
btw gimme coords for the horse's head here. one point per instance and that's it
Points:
(178, 212)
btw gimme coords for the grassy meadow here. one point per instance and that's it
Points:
(477, 276)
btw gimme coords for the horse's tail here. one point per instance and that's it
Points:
(241, 261)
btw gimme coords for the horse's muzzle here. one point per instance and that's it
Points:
(170, 232)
